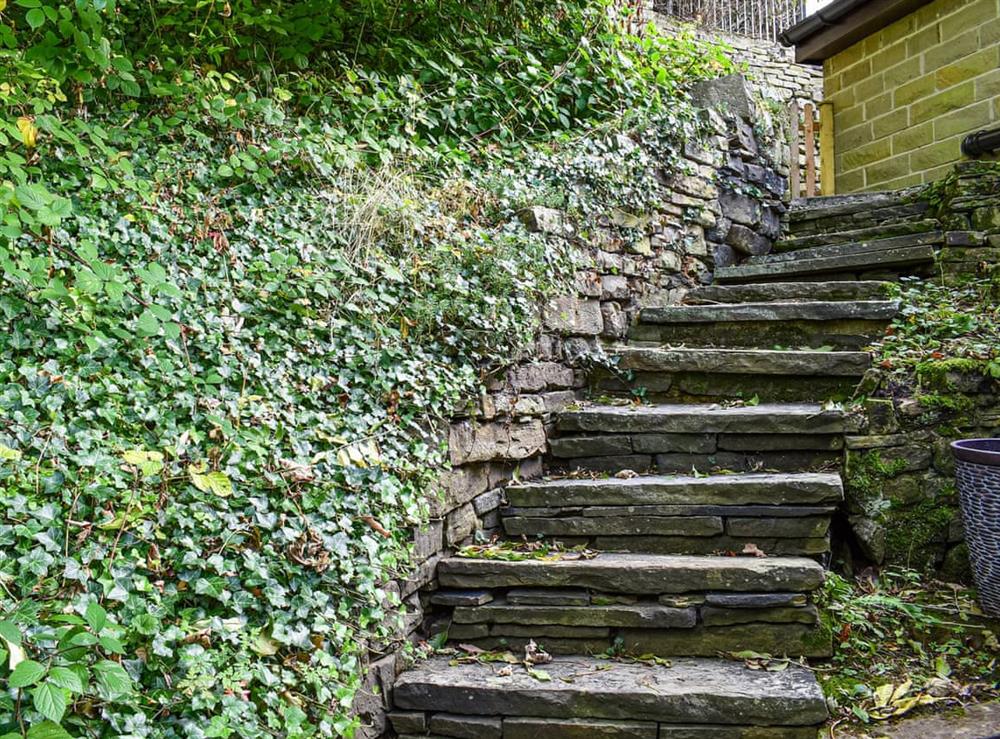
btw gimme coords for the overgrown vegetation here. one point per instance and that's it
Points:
(252, 255)
(943, 331)
(902, 642)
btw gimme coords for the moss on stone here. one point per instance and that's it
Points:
(865, 475)
(916, 534)
(954, 402)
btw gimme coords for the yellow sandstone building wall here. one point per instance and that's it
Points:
(904, 97)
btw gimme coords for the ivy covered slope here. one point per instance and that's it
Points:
(252, 254)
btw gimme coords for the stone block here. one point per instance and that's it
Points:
(716, 616)
(539, 219)
(587, 446)
(539, 376)
(614, 287)
(565, 728)
(466, 727)
(459, 486)
(408, 721)
(473, 442)
(574, 316)
(615, 320)
(427, 540)
(740, 208)
(455, 598)
(747, 241)
(460, 524)
(548, 597)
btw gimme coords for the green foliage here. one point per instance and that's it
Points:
(900, 642)
(943, 330)
(252, 256)
(865, 479)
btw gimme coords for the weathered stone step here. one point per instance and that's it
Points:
(846, 266)
(886, 231)
(588, 697)
(745, 361)
(637, 574)
(771, 418)
(692, 495)
(851, 248)
(781, 292)
(845, 325)
(697, 375)
(841, 206)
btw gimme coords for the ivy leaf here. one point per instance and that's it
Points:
(210, 482)
(64, 677)
(8, 454)
(50, 701)
(27, 673)
(95, 615)
(112, 680)
(149, 463)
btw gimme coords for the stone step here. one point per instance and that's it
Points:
(681, 494)
(783, 292)
(645, 604)
(699, 375)
(837, 324)
(673, 419)
(841, 206)
(846, 267)
(637, 574)
(680, 514)
(851, 248)
(745, 361)
(879, 232)
(668, 625)
(680, 438)
(590, 697)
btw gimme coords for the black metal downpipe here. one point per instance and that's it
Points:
(981, 142)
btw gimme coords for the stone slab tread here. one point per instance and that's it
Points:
(637, 574)
(700, 418)
(690, 691)
(803, 488)
(873, 310)
(745, 361)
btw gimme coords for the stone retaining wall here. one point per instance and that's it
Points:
(723, 202)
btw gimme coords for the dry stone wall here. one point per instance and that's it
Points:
(721, 204)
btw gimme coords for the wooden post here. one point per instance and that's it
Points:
(826, 150)
(810, 151)
(793, 150)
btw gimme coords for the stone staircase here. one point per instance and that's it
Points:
(699, 519)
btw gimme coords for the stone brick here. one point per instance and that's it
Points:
(955, 48)
(915, 89)
(427, 540)
(890, 123)
(546, 220)
(867, 154)
(460, 524)
(913, 137)
(902, 72)
(615, 320)
(935, 155)
(972, 15)
(966, 68)
(540, 376)
(740, 208)
(613, 287)
(472, 442)
(747, 241)
(572, 315)
(969, 118)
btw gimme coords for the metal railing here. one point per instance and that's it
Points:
(762, 19)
